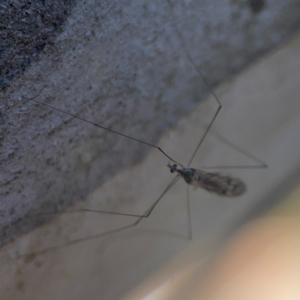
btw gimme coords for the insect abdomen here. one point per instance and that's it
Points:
(220, 184)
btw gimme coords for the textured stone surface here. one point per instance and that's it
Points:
(25, 29)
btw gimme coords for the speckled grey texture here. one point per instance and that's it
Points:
(122, 65)
(25, 28)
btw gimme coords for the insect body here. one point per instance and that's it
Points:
(223, 185)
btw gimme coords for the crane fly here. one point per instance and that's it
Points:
(217, 183)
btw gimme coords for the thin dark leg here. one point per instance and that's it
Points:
(189, 57)
(260, 164)
(189, 219)
(140, 218)
(146, 215)
(32, 99)
(74, 242)
(204, 135)
(173, 182)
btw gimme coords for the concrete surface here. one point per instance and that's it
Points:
(260, 113)
(25, 29)
(120, 64)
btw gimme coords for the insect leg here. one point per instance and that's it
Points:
(204, 135)
(145, 215)
(190, 59)
(260, 164)
(188, 209)
(163, 193)
(32, 99)
(73, 242)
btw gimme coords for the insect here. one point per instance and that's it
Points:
(220, 184)
(68, 253)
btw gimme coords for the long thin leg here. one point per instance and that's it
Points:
(74, 242)
(188, 209)
(204, 135)
(140, 218)
(167, 188)
(260, 163)
(150, 210)
(32, 99)
(146, 215)
(189, 57)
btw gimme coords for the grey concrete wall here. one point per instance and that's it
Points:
(120, 64)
